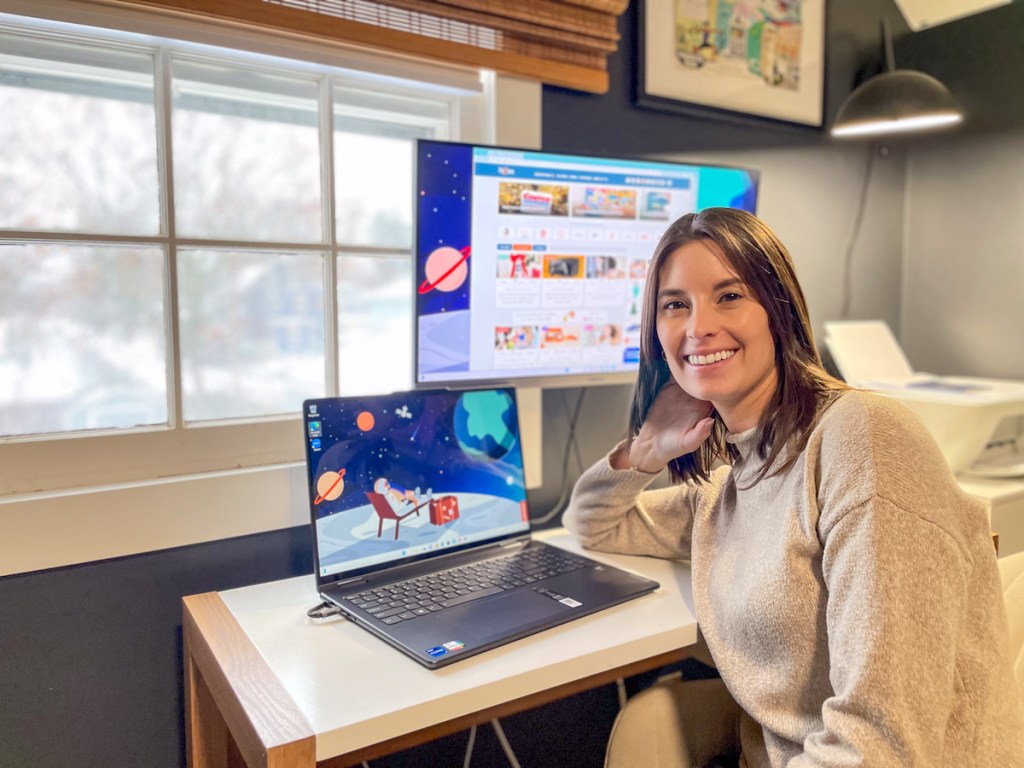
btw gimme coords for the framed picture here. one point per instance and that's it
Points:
(733, 58)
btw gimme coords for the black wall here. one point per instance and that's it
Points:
(90, 656)
(610, 123)
(980, 58)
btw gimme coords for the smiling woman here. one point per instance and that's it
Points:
(830, 545)
(715, 335)
(714, 274)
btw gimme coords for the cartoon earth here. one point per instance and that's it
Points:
(483, 425)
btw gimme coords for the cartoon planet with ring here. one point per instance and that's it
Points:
(446, 269)
(329, 486)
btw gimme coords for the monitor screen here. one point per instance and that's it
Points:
(530, 266)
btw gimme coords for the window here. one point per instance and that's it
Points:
(192, 241)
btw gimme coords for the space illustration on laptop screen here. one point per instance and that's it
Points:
(396, 476)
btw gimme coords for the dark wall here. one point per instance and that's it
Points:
(610, 123)
(90, 656)
(979, 58)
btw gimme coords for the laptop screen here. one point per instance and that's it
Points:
(409, 475)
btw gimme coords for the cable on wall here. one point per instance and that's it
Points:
(858, 220)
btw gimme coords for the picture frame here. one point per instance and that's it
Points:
(733, 59)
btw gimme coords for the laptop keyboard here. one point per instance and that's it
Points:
(424, 595)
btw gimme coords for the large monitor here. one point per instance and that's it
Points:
(530, 265)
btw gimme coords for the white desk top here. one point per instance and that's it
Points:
(990, 489)
(355, 690)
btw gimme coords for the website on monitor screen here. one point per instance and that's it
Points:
(532, 264)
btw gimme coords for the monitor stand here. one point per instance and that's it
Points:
(531, 407)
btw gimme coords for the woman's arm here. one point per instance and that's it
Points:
(913, 599)
(609, 509)
(897, 586)
(676, 424)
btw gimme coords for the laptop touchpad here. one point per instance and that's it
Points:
(496, 616)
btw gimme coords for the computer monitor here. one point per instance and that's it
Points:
(530, 265)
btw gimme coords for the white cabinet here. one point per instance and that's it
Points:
(1005, 502)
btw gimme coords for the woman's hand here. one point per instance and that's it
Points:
(677, 424)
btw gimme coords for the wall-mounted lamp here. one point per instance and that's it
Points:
(894, 101)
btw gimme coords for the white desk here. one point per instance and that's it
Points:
(269, 686)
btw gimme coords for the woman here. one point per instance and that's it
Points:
(847, 589)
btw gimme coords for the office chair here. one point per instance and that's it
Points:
(647, 732)
(677, 724)
(1011, 572)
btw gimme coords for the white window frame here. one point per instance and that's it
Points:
(98, 513)
(56, 462)
(94, 515)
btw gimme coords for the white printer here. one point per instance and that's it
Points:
(978, 423)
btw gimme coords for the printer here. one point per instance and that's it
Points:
(978, 423)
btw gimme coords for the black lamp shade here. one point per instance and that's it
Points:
(898, 100)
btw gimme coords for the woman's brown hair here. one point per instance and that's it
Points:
(762, 262)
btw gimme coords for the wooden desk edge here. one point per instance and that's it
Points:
(504, 709)
(223, 668)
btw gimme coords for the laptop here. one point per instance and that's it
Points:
(421, 528)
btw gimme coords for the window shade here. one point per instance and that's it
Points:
(559, 42)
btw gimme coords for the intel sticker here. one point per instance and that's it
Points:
(437, 651)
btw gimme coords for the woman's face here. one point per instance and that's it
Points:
(715, 334)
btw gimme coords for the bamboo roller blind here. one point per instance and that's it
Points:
(559, 42)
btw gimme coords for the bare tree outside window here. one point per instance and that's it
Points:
(252, 332)
(165, 281)
(81, 338)
(247, 160)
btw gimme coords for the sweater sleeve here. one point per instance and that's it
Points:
(899, 544)
(896, 587)
(611, 511)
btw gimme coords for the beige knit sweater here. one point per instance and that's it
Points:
(852, 604)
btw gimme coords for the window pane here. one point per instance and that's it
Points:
(373, 165)
(252, 332)
(374, 324)
(246, 155)
(81, 338)
(77, 139)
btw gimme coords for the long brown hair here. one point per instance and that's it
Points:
(762, 262)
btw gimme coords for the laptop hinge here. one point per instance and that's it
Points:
(525, 538)
(346, 582)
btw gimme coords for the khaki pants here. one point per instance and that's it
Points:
(676, 724)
